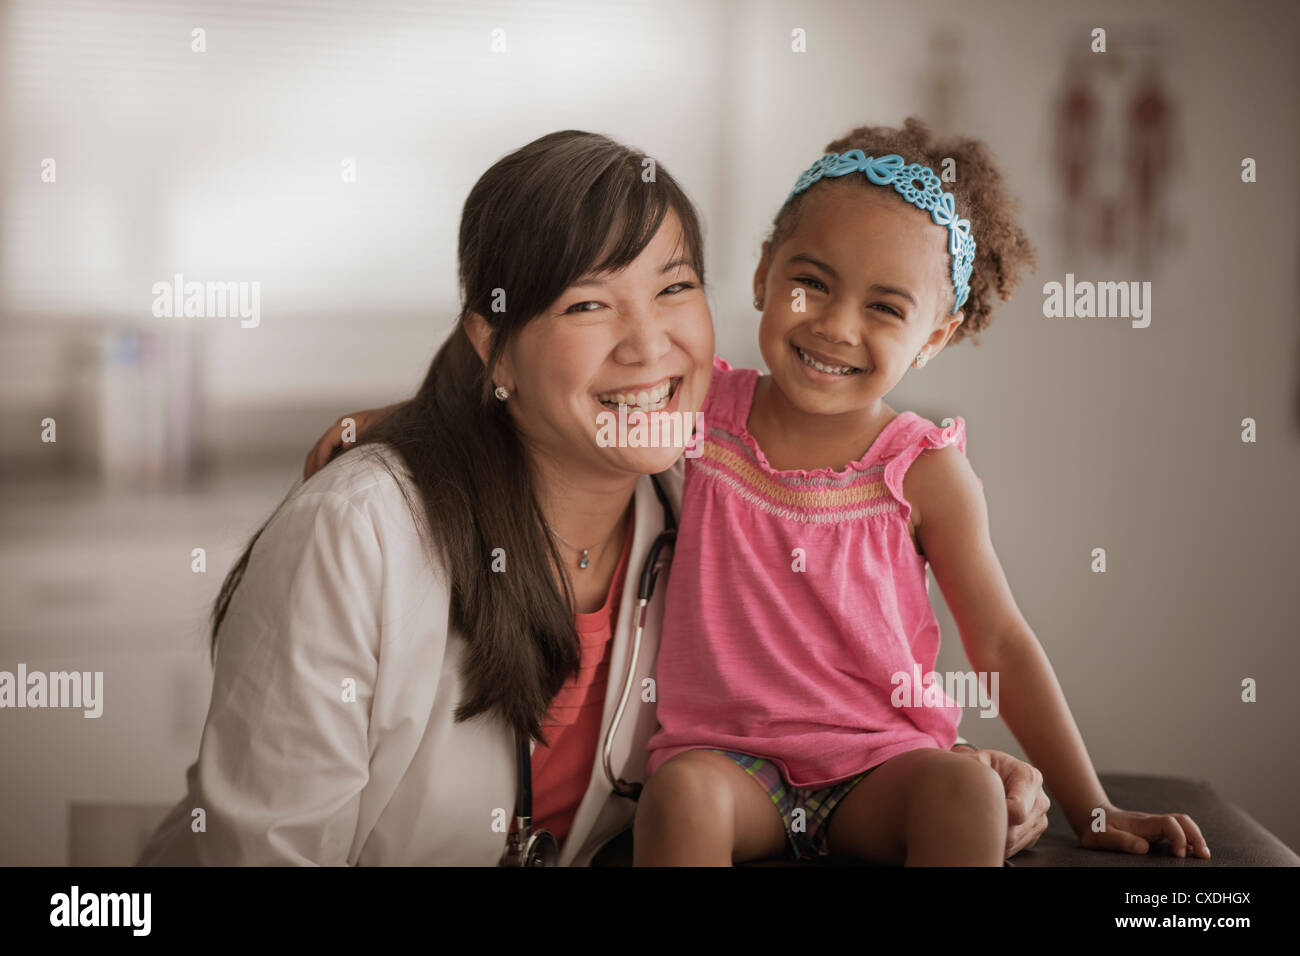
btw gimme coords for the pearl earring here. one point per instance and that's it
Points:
(501, 393)
(758, 303)
(922, 357)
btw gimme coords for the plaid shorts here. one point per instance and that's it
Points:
(808, 840)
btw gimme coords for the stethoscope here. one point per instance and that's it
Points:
(529, 847)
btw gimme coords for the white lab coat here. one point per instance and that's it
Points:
(340, 592)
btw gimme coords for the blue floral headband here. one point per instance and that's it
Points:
(918, 185)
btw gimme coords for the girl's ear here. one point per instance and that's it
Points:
(940, 336)
(760, 274)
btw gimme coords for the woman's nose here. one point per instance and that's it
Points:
(645, 340)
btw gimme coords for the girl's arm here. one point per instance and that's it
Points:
(948, 503)
(320, 453)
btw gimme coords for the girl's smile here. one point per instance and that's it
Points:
(821, 367)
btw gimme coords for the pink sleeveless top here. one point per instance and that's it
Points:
(794, 665)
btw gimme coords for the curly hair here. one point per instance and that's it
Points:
(1002, 248)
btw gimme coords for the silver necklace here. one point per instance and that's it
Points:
(585, 563)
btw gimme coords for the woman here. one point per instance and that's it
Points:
(467, 571)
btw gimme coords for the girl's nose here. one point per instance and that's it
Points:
(839, 323)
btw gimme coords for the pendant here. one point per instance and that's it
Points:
(583, 563)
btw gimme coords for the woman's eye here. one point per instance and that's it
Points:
(673, 289)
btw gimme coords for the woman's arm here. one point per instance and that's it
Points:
(954, 535)
(285, 752)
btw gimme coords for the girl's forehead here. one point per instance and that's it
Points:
(881, 219)
(852, 203)
(882, 230)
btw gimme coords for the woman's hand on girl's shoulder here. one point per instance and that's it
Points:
(358, 422)
(1130, 831)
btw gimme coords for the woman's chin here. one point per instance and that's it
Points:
(642, 461)
(647, 443)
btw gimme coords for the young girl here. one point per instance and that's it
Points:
(798, 615)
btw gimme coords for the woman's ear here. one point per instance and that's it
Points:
(479, 333)
(480, 336)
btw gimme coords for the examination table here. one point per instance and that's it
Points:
(1234, 837)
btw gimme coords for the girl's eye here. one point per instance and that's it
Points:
(821, 286)
(576, 307)
(680, 286)
(815, 283)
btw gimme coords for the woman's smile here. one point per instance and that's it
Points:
(654, 397)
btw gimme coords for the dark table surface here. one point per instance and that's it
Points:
(1234, 837)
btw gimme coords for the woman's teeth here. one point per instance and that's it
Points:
(649, 400)
(829, 369)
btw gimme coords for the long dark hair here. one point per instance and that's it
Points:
(535, 222)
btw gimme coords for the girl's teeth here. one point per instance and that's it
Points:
(830, 369)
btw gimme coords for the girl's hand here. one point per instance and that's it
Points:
(320, 454)
(1128, 831)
